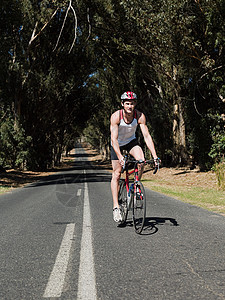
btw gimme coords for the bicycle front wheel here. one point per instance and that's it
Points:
(122, 199)
(139, 207)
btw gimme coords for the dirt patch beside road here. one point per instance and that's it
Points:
(192, 186)
(184, 177)
(14, 178)
(168, 176)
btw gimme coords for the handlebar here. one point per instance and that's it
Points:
(129, 160)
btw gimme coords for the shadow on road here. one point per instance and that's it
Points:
(57, 179)
(75, 174)
(82, 155)
(151, 224)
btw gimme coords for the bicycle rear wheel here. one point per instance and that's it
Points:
(122, 199)
(139, 207)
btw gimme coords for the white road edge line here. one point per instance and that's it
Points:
(55, 284)
(86, 283)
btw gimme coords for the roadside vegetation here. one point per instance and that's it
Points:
(208, 198)
(191, 186)
(64, 65)
(4, 189)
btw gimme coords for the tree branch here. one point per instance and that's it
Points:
(64, 21)
(89, 25)
(75, 28)
(197, 87)
(33, 37)
(62, 26)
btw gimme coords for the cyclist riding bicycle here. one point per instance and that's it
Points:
(123, 127)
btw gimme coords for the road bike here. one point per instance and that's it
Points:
(131, 195)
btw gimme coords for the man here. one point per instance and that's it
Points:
(123, 127)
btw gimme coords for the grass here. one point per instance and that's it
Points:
(4, 189)
(220, 174)
(208, 198)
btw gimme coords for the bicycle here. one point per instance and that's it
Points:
(132, 195)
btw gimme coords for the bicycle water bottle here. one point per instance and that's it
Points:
(129, 193)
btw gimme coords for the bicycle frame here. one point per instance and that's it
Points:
(133, 196)
(128, 173)
(127, 179)
(133, 171)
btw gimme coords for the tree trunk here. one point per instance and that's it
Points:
(104, 149)
(179, 136)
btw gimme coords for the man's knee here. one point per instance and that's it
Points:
(116, 175)
(137, 153)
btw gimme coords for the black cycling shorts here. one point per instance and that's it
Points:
(126, 147)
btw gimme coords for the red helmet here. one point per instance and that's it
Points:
(129, 96)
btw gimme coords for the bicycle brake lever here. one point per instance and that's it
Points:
(157, 166)
(124, 166)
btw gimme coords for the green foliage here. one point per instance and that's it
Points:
(219, 169)
(218, 147)
(97, 128)
(217, 151)
(169, 52)
(14, 145)
(40, 86)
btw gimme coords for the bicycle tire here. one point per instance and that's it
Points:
(122, 199)
(139, 207)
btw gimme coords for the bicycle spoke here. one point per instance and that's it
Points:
(139, 207)
(122, 198)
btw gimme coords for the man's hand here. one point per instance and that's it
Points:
(157, 161)
(122, 162)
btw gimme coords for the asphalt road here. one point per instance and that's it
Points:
(58, 241)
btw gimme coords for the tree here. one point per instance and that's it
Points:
(45, 75)
(65, 64)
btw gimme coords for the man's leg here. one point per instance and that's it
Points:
(138, 154)
(115, 181)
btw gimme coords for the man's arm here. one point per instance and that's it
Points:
(114, 125)
(146, 135)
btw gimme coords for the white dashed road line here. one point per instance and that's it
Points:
(86, 282)
(56, 280)
(78, 192)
